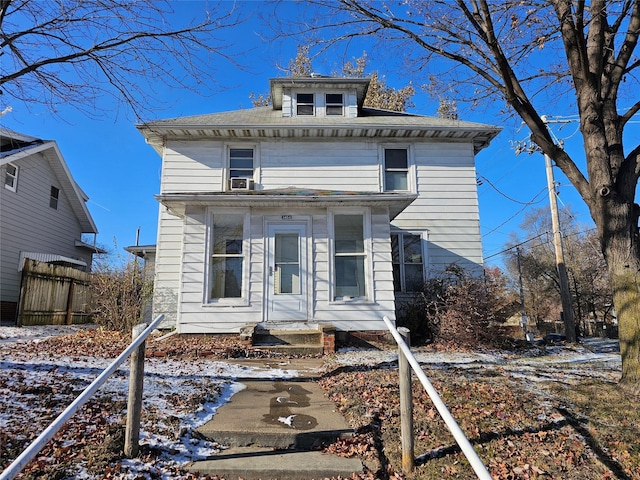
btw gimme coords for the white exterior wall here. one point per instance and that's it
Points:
(447, 205)
(197, 315)
(168, 267)
(320, 165)
(447, 208)
(29, 224)
(193, 166)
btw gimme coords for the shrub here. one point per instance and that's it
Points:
(119, 294)
(458, 309)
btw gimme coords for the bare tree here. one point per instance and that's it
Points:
(76, 52)
(586, 269)
(379, 94)
(517, 53)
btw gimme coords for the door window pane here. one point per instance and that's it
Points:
(287, 263)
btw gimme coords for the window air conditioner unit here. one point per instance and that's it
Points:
(241, 183)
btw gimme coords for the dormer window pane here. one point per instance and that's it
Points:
(305, 104)
(334, 103)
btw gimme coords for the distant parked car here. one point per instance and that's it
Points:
(554, 338)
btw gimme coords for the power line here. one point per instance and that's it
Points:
(541, 244)
(480, 180)
(532, 202)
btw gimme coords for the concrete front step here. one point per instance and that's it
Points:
(267, 463)
(289, 350)
(289, 342)
(287, 337)
(273, 430)
(277, 414)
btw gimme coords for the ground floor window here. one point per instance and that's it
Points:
(227, 256)
(408, 263)
(349, 256)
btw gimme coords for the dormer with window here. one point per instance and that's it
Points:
(319, 97)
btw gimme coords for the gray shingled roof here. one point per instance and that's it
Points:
(265, 122)
(267, 116)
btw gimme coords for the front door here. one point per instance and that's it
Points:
(287, 272)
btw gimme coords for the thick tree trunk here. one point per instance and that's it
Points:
(620, 246)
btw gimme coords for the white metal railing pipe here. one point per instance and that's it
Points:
(464, 444)
(38, 444)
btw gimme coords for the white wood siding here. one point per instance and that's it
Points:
(321, 165)
(359, 315)
(447, 205)
(195, 166)
(29, 224)
(168, 267)
(447, 209)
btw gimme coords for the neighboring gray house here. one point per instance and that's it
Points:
(315, 210)
(43, 213)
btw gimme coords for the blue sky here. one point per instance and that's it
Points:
(120, 173)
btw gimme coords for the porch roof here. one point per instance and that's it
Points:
(287, 198)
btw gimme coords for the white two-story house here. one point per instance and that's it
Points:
(314, 210)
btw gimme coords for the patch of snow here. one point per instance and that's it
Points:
(38, 332)
(287, 420)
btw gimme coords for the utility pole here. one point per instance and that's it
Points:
(565, 293)
(523, 314)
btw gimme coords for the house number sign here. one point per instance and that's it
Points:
(287, 217)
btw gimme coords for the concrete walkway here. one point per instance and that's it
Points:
(275, 430)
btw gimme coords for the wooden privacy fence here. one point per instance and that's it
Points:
(53, 295)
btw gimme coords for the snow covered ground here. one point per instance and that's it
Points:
(181, 395)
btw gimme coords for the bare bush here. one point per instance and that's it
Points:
(458, 309)
(119, 294)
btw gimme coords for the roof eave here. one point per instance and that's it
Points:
(156, 135)
(177, 202)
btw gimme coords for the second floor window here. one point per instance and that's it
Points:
(396, 169)
(11, 177)
(53, 197)
(241, 163)
(333, 104)
(305, 104)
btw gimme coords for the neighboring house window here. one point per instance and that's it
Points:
(53, 197)
(350, 256)
(408, 263)
(396, 169)
(241, 163)
(11, 177)
(305, 104)
(227, 256)
(333, 103)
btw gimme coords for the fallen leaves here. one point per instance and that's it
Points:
(520, 432)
